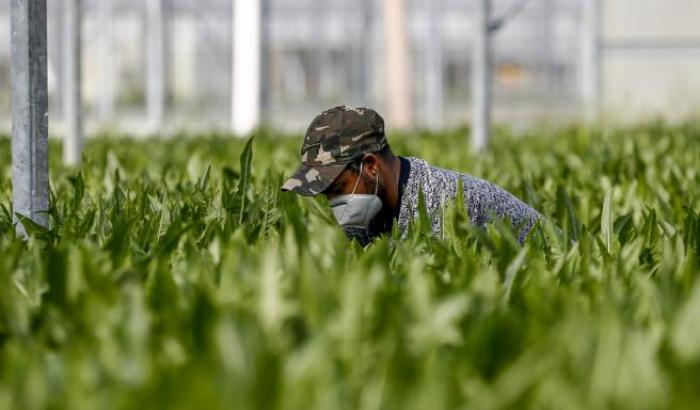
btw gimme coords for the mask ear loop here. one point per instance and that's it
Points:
(352, 194)
(357, 182)
(376, 185)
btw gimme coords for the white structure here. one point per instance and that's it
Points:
(556, 61)
(71, 89)
(482, 66)
(650, 59)
(434, 63)
(105, 109)
(589, 71)
(397, 65)
(247, 44)
(155, 73)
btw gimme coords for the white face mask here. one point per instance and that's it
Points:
(356, 210)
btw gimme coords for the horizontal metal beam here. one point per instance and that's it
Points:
(690, 45)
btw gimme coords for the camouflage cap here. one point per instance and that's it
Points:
(335, 138)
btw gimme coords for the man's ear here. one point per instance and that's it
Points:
(370, 162)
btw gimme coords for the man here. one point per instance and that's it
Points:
(345, 156)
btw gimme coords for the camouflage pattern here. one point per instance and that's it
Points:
(336, 137)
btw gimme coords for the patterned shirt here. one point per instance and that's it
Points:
(483, 199)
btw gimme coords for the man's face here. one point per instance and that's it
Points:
(369, 181)
(344, 184)
(373, 179)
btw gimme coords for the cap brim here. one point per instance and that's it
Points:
(308, 180)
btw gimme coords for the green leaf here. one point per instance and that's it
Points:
(203, 182)
(606, 222)
(79, 189)
(246, 165)
(33, 229)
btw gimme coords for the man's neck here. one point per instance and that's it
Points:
(392, 204)
(395, 174)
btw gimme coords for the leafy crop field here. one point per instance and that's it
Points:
(176, 275)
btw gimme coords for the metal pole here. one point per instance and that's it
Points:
(360, 31)
(434, 61)
(397, 63)
(72, 109)
(481, 78)
(30, 123)
(247, 46)
(590, 59)
(265, 88)
(105, 109)
(155, 55)
(368, 51)
(548, 56)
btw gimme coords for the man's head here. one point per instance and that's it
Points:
(345, 151)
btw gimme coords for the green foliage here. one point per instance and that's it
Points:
(176, 275)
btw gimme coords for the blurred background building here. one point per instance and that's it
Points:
(630, 59)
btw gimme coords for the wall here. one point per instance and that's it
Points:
(651, 59)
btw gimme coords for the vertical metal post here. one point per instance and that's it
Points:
(155, 55)
(547, 54)
(105, 109)
(264, 87)
(322, 54)
(397, 63)
(30, 123)
(590, 59)
(433, 62)
(369, 50)
(360, 31)
(247, 56)
(72, 107)
(482, 64)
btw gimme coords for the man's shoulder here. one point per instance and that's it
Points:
(434, 182)
(425, 169)
(414, 160)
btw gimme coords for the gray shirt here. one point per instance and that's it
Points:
(483, 199)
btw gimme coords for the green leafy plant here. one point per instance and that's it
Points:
(174, 274)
